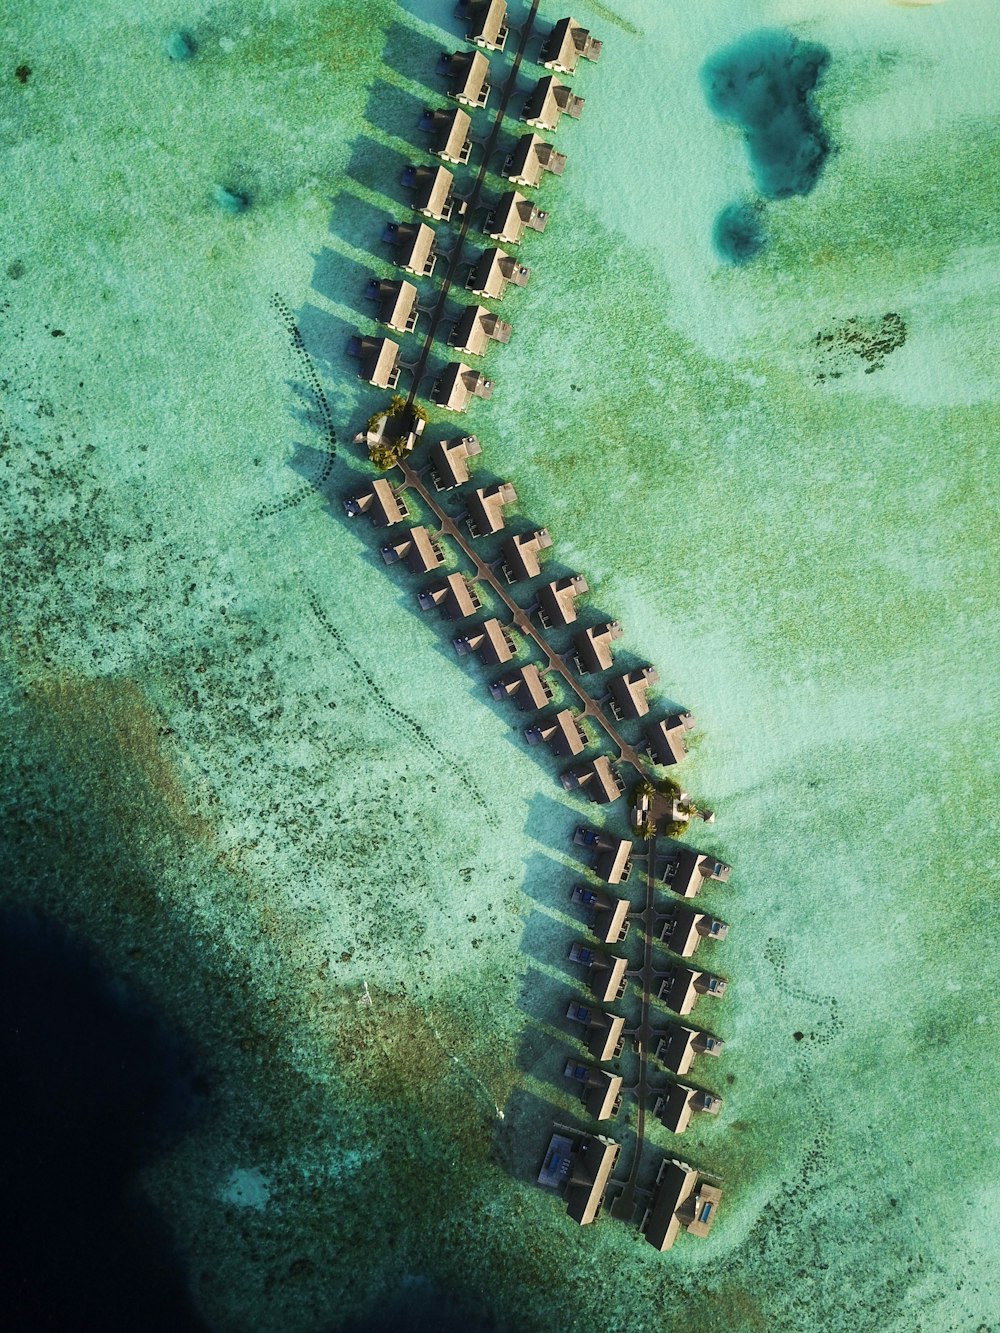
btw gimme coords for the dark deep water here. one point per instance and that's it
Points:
(739, 233)
(93, 1086)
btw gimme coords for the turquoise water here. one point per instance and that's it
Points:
(238, 762)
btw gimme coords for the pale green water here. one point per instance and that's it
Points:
(807, 562)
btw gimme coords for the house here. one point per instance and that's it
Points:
(449, 461)
(397, 304)
(601, 1091)
(614, 860)
(476, 328)
(379, 361)
(491, 642)
(605, 971)
(677, 1050)
(419, 548)
(452, 141)
(665, 739)
(455, 598)
(679, 1103)
(484, 508)
(566, 44)
(557, 600)
(433, 192)
(509, 217)
(609, 920)
(380, 502)
(598, 780)
(562, 733)
(682, 1201)
(531, 158)
(468, 74)
(519, 554)
(686, 871)
(603, 1032)
(593, 647)
(582, 1165)
(681, 986)
(684, 929)
(487, 21)
(549, 102)
(527, 687)
(457, 385)
(492, 271)
(416, 247)
(628, 692)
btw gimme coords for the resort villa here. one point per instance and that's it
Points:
(597, 780)
(603, 1032)
(562, 733)
(476, 328)
(492, 271)
(526, 686)
(593, 647)
(678, 1103)
(433, 192)
(566, 45)
(684, 929)
(484, 508)
(681, 986)
(450, 461)
(676, 1050)
(628, 692)
(455, 598)
(531, 158)
(549, 102)
(557, 600)
(487, 20)
(380, 503)
(419, 548)
(682, 1201)
(510, 216)
(492, 643)
(457, 385)
(580, 1164)
(416, 247)
(665, 739)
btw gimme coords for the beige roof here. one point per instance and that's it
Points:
(549, 101)
(597, 779)
(593, 646)
(487, 23)
(491, 642)
(594, 1161)
(458, 384)
(562, 733)
(613, 862)
(416, 244)
(557, 600)
(451, 134)
(531, 158)
(610, 922)
(469, 77)
(475, 328)
(692, 870)
(510, 215)
(682, 1200)
(455, 597)
(449, 460)
(629, 691)
(485, 507)
(380, 502)
(666, 744)
(425, 551)
(397, 305)
(679, 1102)
(565, 45)
(492, 271)
(604, 1037)
(601, 1096)
(379, 362)
(607, 976)
(432, 192)
(525, 686)
(520, 554)
(678, 1049)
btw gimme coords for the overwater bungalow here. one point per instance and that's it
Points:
(379, 359)
(628, 692)
(531, 158)
(492, 643)
(681, 987)
(676, 1051)
(687, 871)
(450, 461)
(566, 45)
(598, 780)
(419, 548)
(608, 916)
(665, 739)
(593, 647)
(519, 554)
(527, 687)
(614, 863)
(397, 304)
(492, 271)
(509, 217)
(557, 600)
(605, 971)
(380, 502)
(457, 385)
(603, 1032)
(581, 1165)
(562, 733)
(675, 1107)
(487, 20)
(468, 75)
(484, 508)
(433, 192)
(476, 328)
(682, 1201)
(601, 1091)
(549, 102)
(416, 247)
(684, 929)
(452, 141)
(455, 598)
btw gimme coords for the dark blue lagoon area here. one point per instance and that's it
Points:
(94, 1085)
(739, 233)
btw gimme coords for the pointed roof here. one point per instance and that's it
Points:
(593, 1163)
(520, 554)
(416, 246)
(593, 646)
(557, 600)
(449, 460)
(487, 22)
(510, 215)
(485, 506)
(566, 44)
(475, 328)
(526, 686)
(491, 642)
(380, 502)
(421, 551)
(397, 305)
(549, 101)
(468, 77)
(613, 863)
(561, 732)
(433, 190)
(379, 362)
(492, 271)
(666, 743)
(532, 156)
(597, 779)
(457, 385)
(452, 142)
(603, 1094)
(629, 691)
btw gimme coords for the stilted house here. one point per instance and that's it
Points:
(457, 385)
(527, 687)
(485, 506)
(562, 733)
(433, 192)
(608, 916)
(557, 600)
(593, 647)
(681, 987)
(677, 1050)
(603, 1032)
(628, 692)
(550, 100)
(492, 643)
(487, 20)
(450, 461)
(605, 971)
(468, 75)
(687, 871)
(519, 554)
(679, 1103)
(397, 304)
(581, 1165)
(509, 217)
(492, 271)
(455, 598)
(682, 1201)
(614, 861)
(476, 328)
(531, 158)
(379, 359)
(380, 502)
(601, 1091)
(416, 247)
(665, 739)
(566, 45)
(419, 548)
(450, 129)
(597, 780)
(684, 929)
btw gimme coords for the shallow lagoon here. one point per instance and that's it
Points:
(269, 793)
